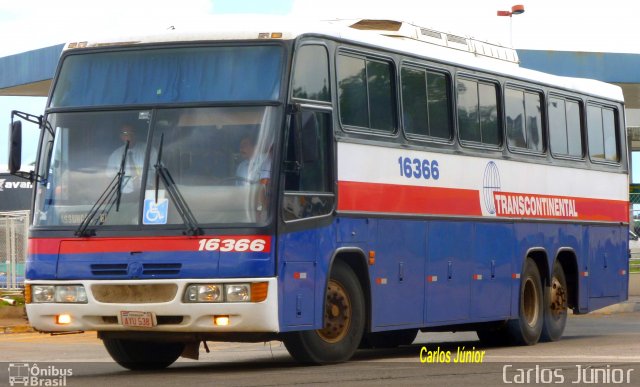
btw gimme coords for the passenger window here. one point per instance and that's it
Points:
(352, 86)
(574, 129)
(524, 119)
(425, 103)
(478, 112)
(311, 74)
(366, 93)
(565, 127)
(514, 109)
(609, 132)
(603, 144)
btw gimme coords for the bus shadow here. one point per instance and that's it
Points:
(284, 362)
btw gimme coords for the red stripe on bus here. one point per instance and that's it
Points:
(43, 245)
(147, 244)
(406, 199)
(521, 205)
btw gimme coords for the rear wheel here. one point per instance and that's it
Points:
(143, 355)
(344, 316)
(555, 306)
(527, 328)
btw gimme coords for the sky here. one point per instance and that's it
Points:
(573, 25)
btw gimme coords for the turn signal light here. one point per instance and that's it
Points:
(259, 291)
(27, 293)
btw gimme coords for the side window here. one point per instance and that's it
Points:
(425, 103)
(311, 74)
(524, 119)
(478, 112)
(574, 129)
(603, 142)
(308, 167)
(565, 127)
(366, 93)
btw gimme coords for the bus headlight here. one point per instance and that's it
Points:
(238, 292)
(42, 293)
(204, 293)
(58, 293)
(71, 294)
(225, 292)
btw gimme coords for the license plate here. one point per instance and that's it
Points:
(137, 319)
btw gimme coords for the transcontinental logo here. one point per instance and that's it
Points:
(508, 204)
(535, 206)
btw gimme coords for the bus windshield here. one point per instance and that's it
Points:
(219, 158)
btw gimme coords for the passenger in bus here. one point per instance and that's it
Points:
(134, 161)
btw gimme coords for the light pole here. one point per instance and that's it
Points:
(515, 10)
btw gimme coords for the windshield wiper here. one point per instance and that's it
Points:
(181, 205)
(111, 195)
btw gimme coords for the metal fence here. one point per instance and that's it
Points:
(14, 227)
(634, 263)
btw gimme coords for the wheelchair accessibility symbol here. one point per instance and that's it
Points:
(155, 213)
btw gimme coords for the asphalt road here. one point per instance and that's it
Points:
(609, 344)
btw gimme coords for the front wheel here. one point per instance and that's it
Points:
(555, 306)
(527, 328)
(143, 355)
(344, 315)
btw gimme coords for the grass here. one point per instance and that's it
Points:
(18, 297)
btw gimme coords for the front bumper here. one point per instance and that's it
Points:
(172, 316)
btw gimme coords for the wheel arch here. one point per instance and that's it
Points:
(539, 256)
(568, 260)
(355, 258)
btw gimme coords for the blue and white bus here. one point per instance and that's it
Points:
(333, 186)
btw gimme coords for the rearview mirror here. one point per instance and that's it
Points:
(15, 146)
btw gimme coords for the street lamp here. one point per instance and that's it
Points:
(515, 10)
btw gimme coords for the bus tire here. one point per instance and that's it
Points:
(389, 339)
(555, 306)
(143, 355)
(344, 318)
(527, 328)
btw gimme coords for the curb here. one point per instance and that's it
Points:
(623, 307)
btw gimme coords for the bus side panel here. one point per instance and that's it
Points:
(449, 269)
(607, 265)
(491, 281)
(298, 287)
(303, 262)
(397, 277)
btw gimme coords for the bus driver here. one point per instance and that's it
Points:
(134, 161)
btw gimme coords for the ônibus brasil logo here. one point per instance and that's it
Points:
(24, 374)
